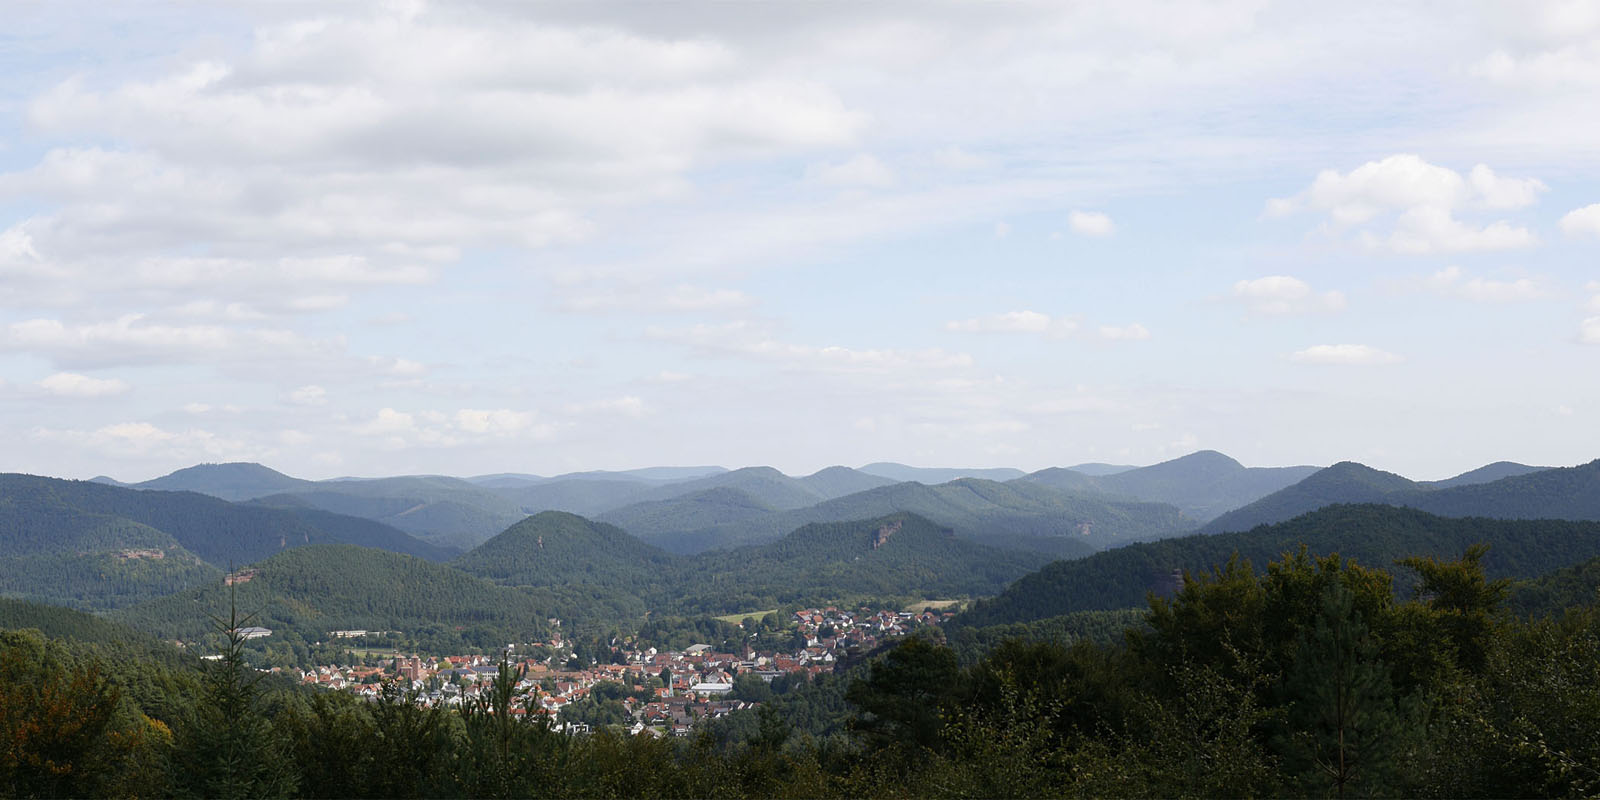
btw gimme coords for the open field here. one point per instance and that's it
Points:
(737, 618)
(927, 604)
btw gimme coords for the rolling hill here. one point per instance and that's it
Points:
(93, 545)
(707, 508)
(446, 511)
(896, 555)
(1344, 482)
(1014, 515)
(304, 593)
(231, 481)
(935, 475)
(1372, 534)
(553, 548)
(1486, 474)
(1549, 493)
(1202, 485)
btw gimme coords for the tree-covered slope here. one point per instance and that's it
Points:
(446, 511)
(935, 475)
(232, 481)
(1013, 515)
(310, 591)
(586, 496)
(1344, 482)
(217, 531)
(896, 555)
(763, 483)
(1558, 493)
(1372, 534)
(837, 481)
(55, 553)
(1557, 590)
(1486, 474)
(708, 508)
(553, 548)
(1202, 485)
(1562, 493)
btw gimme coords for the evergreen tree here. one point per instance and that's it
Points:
(1344, 729)
(230, 749)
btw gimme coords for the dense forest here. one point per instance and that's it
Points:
(1309, 677)
(1371, 534)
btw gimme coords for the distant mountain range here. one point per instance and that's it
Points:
(1202, 485)
(1062, 511)
(1502, 491)
(93, 545)
(894, 555)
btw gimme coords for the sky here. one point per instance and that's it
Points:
(469, 238)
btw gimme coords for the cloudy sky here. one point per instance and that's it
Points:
(543, 237)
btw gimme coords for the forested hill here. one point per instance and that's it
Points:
(1202, 484)
(1013, 515)
(1344, 482)
(1558, 590)
(707, 508)
(1371, 534)
(32, 511)
(232, 481)
(895, 555)
(899, 555)
(446, 511)
(554, 547)
(1526, 493)
(1561, 493)
(1486, 474)
(309, 591)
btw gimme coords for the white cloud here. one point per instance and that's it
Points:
(1429, 229)
(1344, 355)
(1040, 324)
(1582, 221)
(1091, 223)
(745, 340)
(1002, 229)
(1425, 197)
(626, 406)
(144, 440)
(645, 299)
(1448, 282)
(1281, 295)
(1014, 322)
(132, 339)
(1126, 333)
(1589, 331)
(310, 395)
(499, 421)
(860, 170)
(69, 384)
(196, 408)
(388, 422)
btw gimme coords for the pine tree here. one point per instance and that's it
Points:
(230, 749)
(1344, 727)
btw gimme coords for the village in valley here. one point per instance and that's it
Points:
(645, 691)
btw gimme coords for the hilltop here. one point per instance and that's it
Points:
(1203, 484)
(1524, 493)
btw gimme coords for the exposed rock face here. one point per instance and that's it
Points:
(884, 533)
